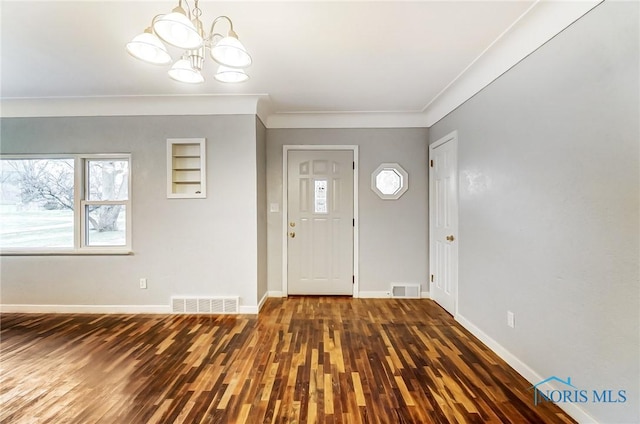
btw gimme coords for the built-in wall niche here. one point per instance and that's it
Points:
(186, 168)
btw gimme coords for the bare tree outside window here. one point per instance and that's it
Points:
(46, 183)
(37, 202)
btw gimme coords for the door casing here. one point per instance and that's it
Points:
(285, 209)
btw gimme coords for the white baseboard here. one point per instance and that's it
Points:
(374, 295)
(104, 309)
(385, 295)
(362, 294)
(86, 309)
(248, 310)
(264, 299)
(527, 372)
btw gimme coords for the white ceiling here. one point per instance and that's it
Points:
(309, 58)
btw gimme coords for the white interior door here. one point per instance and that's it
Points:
(443, 221)
(320, 222)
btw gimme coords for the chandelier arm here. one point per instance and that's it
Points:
(188, 7)
(216, 20)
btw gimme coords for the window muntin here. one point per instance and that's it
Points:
(39, 197)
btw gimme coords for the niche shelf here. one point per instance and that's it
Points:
(186, 168)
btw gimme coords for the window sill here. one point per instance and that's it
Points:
(87, 252)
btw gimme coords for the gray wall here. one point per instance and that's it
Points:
(393, 234)
(549, 207)
(184, 247)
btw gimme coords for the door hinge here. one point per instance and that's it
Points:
(353, 164)
(354, 222)
(432, 278)
(431, 163)
(353, 279)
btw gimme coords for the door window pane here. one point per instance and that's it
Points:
(320, 196)
(36, 203)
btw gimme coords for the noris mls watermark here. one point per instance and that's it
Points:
(568, 393)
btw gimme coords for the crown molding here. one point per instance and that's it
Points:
(347, 120)
(131, 105)
(539, 24)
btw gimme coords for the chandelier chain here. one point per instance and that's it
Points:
(196, 10)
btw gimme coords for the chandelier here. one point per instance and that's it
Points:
(183, 29)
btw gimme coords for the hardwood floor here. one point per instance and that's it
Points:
(302, 360)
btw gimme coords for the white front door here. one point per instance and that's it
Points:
(320, 222)
(443, 221)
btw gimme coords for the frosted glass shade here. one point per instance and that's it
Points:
(230, 52)
(148, 48)
(182, 71)
(176, 29)
(226, 74)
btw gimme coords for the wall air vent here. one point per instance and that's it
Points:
(205, 305)
(405, 291)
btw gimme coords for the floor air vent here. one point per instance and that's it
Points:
(205, 305)
(405, 291)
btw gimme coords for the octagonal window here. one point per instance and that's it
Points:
(389, 181)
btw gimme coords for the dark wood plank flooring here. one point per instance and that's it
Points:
(302, 360)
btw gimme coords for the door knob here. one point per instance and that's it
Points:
(292, 234)
(450, 238)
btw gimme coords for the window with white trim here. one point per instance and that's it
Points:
(65, 204)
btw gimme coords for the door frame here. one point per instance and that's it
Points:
(453, 138)
(285, 209)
